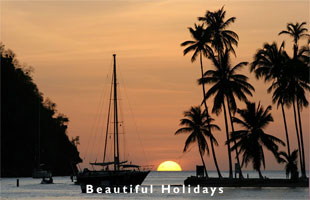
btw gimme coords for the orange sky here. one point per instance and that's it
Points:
(70, 44)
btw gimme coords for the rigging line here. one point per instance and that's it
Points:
(108, 121)
(94, 122)
(92, 132)
(101, 133)
(111, 146)
(97, 120)
(122, 124)
(100, 124)
(135, 124)
(123, 140)
(39, 135)
(93, 125)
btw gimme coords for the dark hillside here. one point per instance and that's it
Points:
(25, 118)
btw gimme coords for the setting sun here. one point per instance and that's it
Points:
(169, 166)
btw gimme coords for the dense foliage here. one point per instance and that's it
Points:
(33, 133)
(212, 40)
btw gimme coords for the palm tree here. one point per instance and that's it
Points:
(303, 84)
(291, 163)
(252, 138)
(226, 85)
(298, 85)
(270, 62)
(198, 124)
(298, 31)
(221, 37)
(282, 96)
(290, 89)
(200, 47)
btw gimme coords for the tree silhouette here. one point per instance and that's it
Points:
(199, 126)
(200, 46)
(252, 138)
(221, 37)
(32, 131)
(226, 85)
(270, 63)
(291, 163)
(298, 31)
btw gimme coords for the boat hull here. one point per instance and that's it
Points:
(40, 173)
(110, 179)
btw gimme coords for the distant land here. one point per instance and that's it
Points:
(33, 132)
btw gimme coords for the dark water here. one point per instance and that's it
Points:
(64, 189)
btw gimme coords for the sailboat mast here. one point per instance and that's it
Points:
(39, 137)
(116, 148)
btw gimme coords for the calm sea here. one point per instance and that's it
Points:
(64, 189)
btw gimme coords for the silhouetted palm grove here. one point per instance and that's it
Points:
(198, 124)
(33, 133)
(252, 138)
(289, 85)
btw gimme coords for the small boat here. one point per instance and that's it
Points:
(44, 174)
(122, 174)
(39, 171)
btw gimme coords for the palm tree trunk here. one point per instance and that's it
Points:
(303, 169)
(286, 132)
(228, 144)
(260, 174)
(295, 49)
(233, 130)
(214, 158)
(207, 112)
(298, 140)
(203, 162)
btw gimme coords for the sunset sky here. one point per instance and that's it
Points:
(69, 44)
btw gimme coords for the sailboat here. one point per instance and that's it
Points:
(122, 173)
(38, 171)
